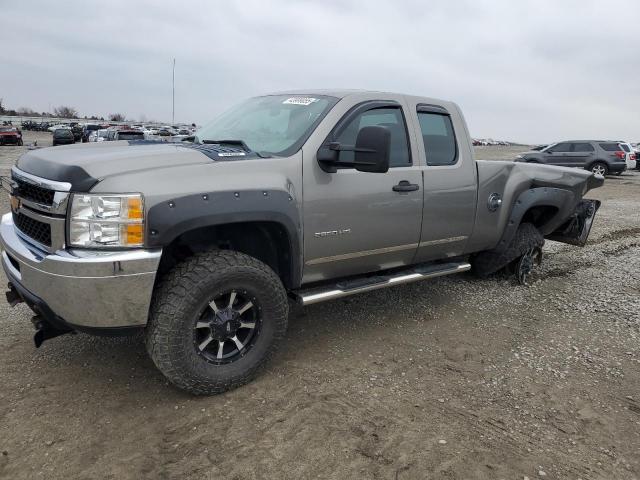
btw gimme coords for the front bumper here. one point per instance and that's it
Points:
(85, 289)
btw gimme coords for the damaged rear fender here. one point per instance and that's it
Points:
(576, 229)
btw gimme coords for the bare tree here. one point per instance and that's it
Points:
(65, 112)
(116, 117)
(1, 106)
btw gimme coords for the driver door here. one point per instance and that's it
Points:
(559, 155)
(356, 222)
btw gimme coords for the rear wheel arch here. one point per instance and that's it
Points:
(539, 215)
(542, 207)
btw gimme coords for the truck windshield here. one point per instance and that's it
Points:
(275, 124)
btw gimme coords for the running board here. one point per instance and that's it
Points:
(360, 285)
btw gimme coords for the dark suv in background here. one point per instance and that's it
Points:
(600, 156)
(63, 136)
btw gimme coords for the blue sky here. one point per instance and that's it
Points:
(531, 71)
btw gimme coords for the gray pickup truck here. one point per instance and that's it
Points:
(306, 196)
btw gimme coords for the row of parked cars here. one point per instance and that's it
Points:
(602, 157)
(485, 142)
(64, 134)
(139, 132)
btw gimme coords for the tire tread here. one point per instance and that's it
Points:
(173, 295)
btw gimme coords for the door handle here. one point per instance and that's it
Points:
(405, 186)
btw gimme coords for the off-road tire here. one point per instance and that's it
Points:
(184, 291)
(527, 236)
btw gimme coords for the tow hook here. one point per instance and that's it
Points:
(45, 331)
(13, 297)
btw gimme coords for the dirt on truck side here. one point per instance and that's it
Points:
(452, 378)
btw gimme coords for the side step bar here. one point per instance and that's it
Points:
(367, 284)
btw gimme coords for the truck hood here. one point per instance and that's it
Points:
(84, 165)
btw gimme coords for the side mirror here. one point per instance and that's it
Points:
(371, 152)
(373, 145)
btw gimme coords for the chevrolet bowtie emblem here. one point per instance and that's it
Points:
(15, 203)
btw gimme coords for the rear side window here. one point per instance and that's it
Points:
(625, 147)
(610, 147)
(390, 118)
(439, 139)
(583, 147)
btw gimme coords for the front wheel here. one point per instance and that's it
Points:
(215, 320)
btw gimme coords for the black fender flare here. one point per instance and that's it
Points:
(169, 219)
(563, 200)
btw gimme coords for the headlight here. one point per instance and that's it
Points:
(106, 220)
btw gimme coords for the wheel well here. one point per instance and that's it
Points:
(593, 162)
(266, 241)
(539, 215)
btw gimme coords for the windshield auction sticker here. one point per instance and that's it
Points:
(300, 101)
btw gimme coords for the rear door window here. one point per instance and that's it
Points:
(439, 138)
(583, 147)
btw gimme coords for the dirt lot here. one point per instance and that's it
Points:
(454, 378)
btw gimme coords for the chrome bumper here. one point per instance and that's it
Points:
(85, 288)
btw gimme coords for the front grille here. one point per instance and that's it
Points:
(34, 193)
(39, 231)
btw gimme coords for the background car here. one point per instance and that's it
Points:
(77, 132)
(165, 132)
(88, 129)
(63, 136)
(600, 156)
(128, 134)
(10, 135)
(636, 149)
(53, 128)
(102, 135)
(631, 155)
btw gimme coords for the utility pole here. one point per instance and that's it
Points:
(173, 108)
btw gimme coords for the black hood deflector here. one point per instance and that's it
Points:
(77, 176)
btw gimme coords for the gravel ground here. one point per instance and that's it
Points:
(455, 378)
